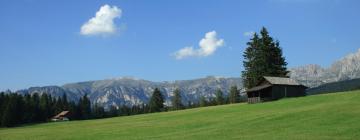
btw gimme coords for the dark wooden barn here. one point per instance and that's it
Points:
(273, 88)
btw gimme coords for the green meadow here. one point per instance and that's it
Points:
(328, 116)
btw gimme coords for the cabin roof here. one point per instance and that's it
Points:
(275, 81)
(281, 81)
(258, 88)
(62, 113)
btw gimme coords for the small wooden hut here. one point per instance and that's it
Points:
(62, 116)
(273, 88)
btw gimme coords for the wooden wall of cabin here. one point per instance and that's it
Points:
(296, 91)
(277, 92)
(266, 94)
(281, 91)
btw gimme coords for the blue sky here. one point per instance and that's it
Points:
(42, 42)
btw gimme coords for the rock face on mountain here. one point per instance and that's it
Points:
(131, 91)
(314, 75)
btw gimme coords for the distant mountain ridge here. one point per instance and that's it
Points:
(132, 91)
(346, 68)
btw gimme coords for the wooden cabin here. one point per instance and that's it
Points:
(273, 88)
(62, 116)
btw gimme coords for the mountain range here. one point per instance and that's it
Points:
(132, 91)
(313, 75)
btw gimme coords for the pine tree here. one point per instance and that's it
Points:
(51, 101)
(98, 111)
(8, 119)
(219, 97)
(74, 112)
(203, 101)
(85, 107)
(113, 111)
(262, 57)
(234, 95)
(135, 109)
(124, 110)
(58, 105)
(156, 101)
(29, 109)
(44, 107)
(65, 103)
(145, 108)
(13, 112)
(176, 100)
(2, 105)
(35, 103)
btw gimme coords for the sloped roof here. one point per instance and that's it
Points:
(281, 81)
(63, 113)
(258, 88)
(275, 81)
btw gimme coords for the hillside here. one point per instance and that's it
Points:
(328, 116)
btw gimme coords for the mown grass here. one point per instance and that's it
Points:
(330, 116)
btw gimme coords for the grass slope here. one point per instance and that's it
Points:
(330, 116)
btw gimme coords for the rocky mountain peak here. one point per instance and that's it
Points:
(312, 75)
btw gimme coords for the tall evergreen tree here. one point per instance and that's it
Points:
(145, 108)
(203, 101)
(74, 111)
(52, 102)
(124, 110)
(65, 103)
(7, 119)
(176, 100)
(234, 95)
(98, 111)
(262, 57)
(113, 111)
(135, 109)
(35, 103)
(45, 107)
(2, 105)
(13, 113)
(59, 105)
(29, 109)
(156, 101)
(85, 107)
(219, 97)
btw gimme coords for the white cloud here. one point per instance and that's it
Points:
(208, 45)
(185, 52)
(249, 33)
(103, 22)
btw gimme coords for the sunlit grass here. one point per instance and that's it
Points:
(329, 116)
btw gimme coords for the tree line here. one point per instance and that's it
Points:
(16, 109)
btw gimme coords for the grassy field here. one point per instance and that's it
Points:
(329, 116)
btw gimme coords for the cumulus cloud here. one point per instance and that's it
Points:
(249, 33)
(103, 22)
(185, 52)
(207, 46)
